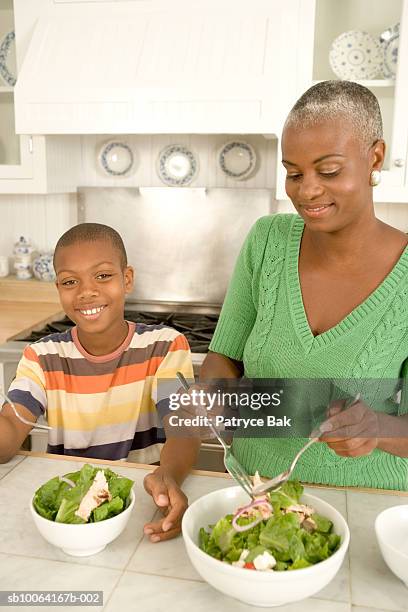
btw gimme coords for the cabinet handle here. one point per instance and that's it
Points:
(399, 163)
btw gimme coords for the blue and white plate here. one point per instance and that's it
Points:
(389, 40)
(237, 159)
(116, 158)
(7, 59)
(356, 55)
(177, 165)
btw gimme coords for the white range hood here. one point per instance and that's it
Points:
(154, 66)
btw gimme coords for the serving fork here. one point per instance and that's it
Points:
(232, 465)
(278, 481)
(18, 415)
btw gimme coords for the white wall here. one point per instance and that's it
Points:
(41, 218)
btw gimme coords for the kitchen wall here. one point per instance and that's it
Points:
(43, 218)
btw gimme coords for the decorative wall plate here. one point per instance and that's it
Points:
(116, 158)
(356, 55)
(7, 59)
(177, 165)
(390, 42)
(237, 159)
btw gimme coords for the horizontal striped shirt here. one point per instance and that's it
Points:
(102, 406)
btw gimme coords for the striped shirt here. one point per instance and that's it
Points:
(102, 406)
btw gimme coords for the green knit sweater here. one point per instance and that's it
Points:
(263, 323)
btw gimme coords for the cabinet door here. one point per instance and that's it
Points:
(15, 151)
(374, 17)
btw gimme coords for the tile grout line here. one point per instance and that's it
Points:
(126, 565)
(67, 562)
(12, 469)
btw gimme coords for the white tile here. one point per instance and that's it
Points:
(159, 558)
(372, 583)
(364, 609)
(5, 468)
(19, 535)
(155, 594)
(23, 574)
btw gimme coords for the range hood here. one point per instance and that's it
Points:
(160, 66)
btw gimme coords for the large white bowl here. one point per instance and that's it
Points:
(83, 540)
(255, 587)
(391, 528)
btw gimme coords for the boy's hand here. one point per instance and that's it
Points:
(170, 500)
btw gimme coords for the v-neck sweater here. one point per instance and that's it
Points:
(263, 323)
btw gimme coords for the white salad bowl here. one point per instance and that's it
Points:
(86, 539)
(391, 528)
(258, 588)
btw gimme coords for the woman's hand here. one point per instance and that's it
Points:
(353, 432)
(170, 500)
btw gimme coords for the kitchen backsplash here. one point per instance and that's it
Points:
(43, 218)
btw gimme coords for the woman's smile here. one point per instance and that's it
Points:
(316, 211)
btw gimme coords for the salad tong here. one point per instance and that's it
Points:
(232, 465)
(278, 481)
(20, 418)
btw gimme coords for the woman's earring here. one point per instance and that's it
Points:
(375, 178)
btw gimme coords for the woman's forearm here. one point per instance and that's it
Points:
(178, 457)
(219, 366)
(393, 436)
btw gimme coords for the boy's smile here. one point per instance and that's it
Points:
(92, 285)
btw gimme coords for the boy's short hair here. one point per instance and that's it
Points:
(91, 232)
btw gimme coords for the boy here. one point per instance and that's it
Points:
(98, 381)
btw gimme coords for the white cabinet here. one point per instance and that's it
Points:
(28, 164)
(373, 16)
(186, 66)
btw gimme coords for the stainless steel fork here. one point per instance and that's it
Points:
(232, 465)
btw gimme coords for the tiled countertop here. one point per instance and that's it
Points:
(135, 574)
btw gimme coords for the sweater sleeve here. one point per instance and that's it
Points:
(240, 306)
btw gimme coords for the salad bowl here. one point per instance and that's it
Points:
(391, 528)
(83, 511)
(259, 588)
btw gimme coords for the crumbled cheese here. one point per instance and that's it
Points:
(264, 562)
(306, 510)
(241, 560)
(97, 494)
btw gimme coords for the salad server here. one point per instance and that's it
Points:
(20, 418)
(278, 481)
(232, 465)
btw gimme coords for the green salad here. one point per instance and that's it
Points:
(86, 496)
(275, 532)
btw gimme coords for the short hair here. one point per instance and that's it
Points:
(91, 232)
(332, 99)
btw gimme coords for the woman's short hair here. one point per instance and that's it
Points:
(332, 99)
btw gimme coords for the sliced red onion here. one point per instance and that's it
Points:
(69, 482)
(254, 504)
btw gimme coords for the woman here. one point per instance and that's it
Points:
(324, 294)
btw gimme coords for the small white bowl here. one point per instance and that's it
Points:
(254, 587)
(391, 529)
(82, 540)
